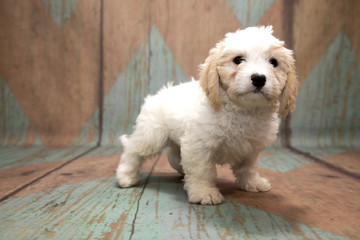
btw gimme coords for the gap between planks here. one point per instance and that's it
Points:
(322, 162)
(19, 189)
(141, 194)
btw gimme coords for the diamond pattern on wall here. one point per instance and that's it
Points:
(326, 114)
(89, 134)
(15, 126)
(60, 10)
(53, 72)
(150, 68)
(250, 12)
(56, 70)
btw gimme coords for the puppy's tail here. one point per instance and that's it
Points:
(124, 139)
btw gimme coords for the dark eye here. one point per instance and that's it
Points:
(238, 60)
(273, 62)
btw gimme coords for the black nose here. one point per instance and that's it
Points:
(258, 80)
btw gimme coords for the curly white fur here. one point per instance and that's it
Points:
(222, 118)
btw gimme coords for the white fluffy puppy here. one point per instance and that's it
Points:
(229, 116)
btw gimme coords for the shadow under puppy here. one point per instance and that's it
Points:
(229, 116)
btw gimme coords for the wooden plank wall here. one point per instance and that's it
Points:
(49, 67)
(327, 46)
(74, 72)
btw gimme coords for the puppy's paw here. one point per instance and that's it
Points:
(126, 179)
(258, 184)
(205, 196)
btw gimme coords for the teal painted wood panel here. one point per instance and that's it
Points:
(11, 157)
(90, 133)
(249, 13)
(51, 88)
(322, 152)
(279, 159)
(60, 10)
(92, 210)
(150, 68)
(98, 209)
(15, 126)
(104, 150)
(327, 113)
(164, 213)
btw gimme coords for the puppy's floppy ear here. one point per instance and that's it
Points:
(209, 78)
(289, 94)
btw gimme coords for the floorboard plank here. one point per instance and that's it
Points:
(348, 161)
(11, 157)
(91, 166)
(308, 194)
(280, 159)
(165, 212)
(14, 178)
(94, 209)
(82, 200)
(20, 166)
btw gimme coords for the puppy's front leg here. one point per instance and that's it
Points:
(248, 177)
(200, 176)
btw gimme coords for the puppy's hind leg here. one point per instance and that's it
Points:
(175, 158)
(127, 171)
(141, 144)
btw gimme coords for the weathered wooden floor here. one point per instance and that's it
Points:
(72, 193)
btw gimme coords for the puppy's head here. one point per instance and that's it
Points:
(253, 68)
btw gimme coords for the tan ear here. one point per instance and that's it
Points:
(209, 79)
(289, 94)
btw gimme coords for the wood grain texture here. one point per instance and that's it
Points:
(53, 72)
(74, 71)
(95, 209)
(158, 54)
(249, 13)
(126, 24)
(192, 28)
(21, 167)
(349, 161)
(16, 128)
(80, 200)
(85, 168)
(353, 20)
(164, 204)
(316, 24)
(309, 194)
(15, 178)
(325, 114)
(150, 68)
(279, 159)
(52, 55)
(60, 10)
(89, 207)
(12, 157)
